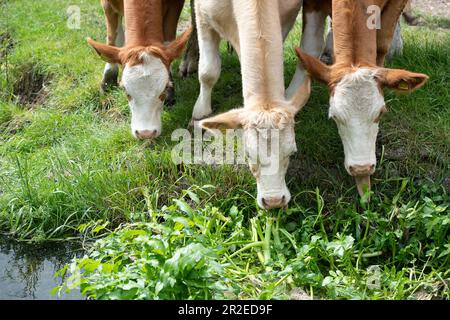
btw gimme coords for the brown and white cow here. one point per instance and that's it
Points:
(150, 47)
(357, 77)
(256, 30)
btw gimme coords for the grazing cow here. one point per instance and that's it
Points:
(357, 77)
(256, 30)
(146, 56)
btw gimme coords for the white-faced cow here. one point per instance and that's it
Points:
(357, 77)
(256, 30)
(150, 47)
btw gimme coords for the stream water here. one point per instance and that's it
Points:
(27, 270)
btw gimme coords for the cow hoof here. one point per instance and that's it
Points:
(183, 70)
(187, 68)
(105, 87)
(413, 22)
(192, 68)
(109, 80)
(187, 71)
(410, 19)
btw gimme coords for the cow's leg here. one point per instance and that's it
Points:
(312, 41)
(389, 20)
(327, 55)
(396, 47)
(171, 18)
(208, 70)
(170, 33)
(189, 63)
(115, 38)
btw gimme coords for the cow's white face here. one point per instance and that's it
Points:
(269, 141)
(357, 106)
(268, 152)
(145, 85)
(145, 79)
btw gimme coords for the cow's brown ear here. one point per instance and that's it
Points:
(227, 120)
(108, 53)
(316, 68)
(401, 80)
(175, 48)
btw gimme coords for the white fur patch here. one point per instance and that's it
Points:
(268, 152)
(273, 118)
(145, 83)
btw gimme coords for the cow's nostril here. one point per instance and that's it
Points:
(146, 134)
(273, 202)
(361, 170)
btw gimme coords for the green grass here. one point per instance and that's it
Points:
(70, 169)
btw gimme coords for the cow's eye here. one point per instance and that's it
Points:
(382, 112)
(164, 94)
(293, 151)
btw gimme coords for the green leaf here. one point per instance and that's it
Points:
(183, 206)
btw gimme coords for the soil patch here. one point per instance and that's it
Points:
(31, 86)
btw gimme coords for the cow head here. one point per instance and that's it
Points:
(357, 105)
(269, 141)
(145, 79)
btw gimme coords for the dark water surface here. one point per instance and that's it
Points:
(27, 270)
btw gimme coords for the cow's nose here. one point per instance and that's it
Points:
(362, 170)
(146, 134)
(274, 202)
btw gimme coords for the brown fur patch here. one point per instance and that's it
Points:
(401, 80)
(356, 45)
(133, 56)
(144, 30)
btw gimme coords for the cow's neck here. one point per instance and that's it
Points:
(355, 44)
(143, 22)
(261, 51)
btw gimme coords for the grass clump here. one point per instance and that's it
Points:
(393, 248)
